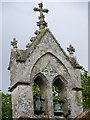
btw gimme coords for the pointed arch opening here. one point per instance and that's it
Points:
(59, 96)
(39, 94)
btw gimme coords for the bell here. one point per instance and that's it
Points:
(57, 109)
(38, 105)
(57, 106)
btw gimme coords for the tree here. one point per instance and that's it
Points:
(6, 106)
(0, 105)
(86, 86)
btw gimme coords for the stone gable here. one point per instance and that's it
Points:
(46, 64)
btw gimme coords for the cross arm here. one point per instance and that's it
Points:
(36, 9)
(45, 10)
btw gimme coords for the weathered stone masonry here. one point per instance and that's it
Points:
(46, 63)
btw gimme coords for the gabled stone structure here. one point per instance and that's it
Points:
(45, 63)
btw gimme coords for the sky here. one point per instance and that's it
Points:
(68, 22)
(0, 46)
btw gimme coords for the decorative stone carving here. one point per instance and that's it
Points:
(14, 43)
(28, 45)
(49, 70)
(37, 32)
(42, 24)
(18, 55)
(71, 49)
(73, 60)
(32, 39)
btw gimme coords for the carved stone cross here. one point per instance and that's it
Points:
(71, 49)
(42, 24)
(14, 43)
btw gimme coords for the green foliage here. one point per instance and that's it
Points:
(6, 106)
(0, 105)
(86, 85)
(56, 92)
(36, 89)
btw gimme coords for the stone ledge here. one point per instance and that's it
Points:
(16, 84)
(77, 89)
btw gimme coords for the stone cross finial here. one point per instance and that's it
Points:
(14, 43)
(42, 24)
(71, 49)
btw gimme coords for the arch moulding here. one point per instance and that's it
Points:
(48, 66)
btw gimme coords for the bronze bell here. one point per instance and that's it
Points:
(57, 108)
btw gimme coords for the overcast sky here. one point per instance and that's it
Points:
(68, 21)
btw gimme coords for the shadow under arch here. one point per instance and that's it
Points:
(42, 76)
(62, 79)
(40, 104)
(59, 86)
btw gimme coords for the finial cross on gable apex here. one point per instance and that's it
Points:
(40, 9)
(71, 49)
(42, 24)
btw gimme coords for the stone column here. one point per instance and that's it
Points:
(49, 100)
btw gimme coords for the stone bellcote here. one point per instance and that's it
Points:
(45, 64)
